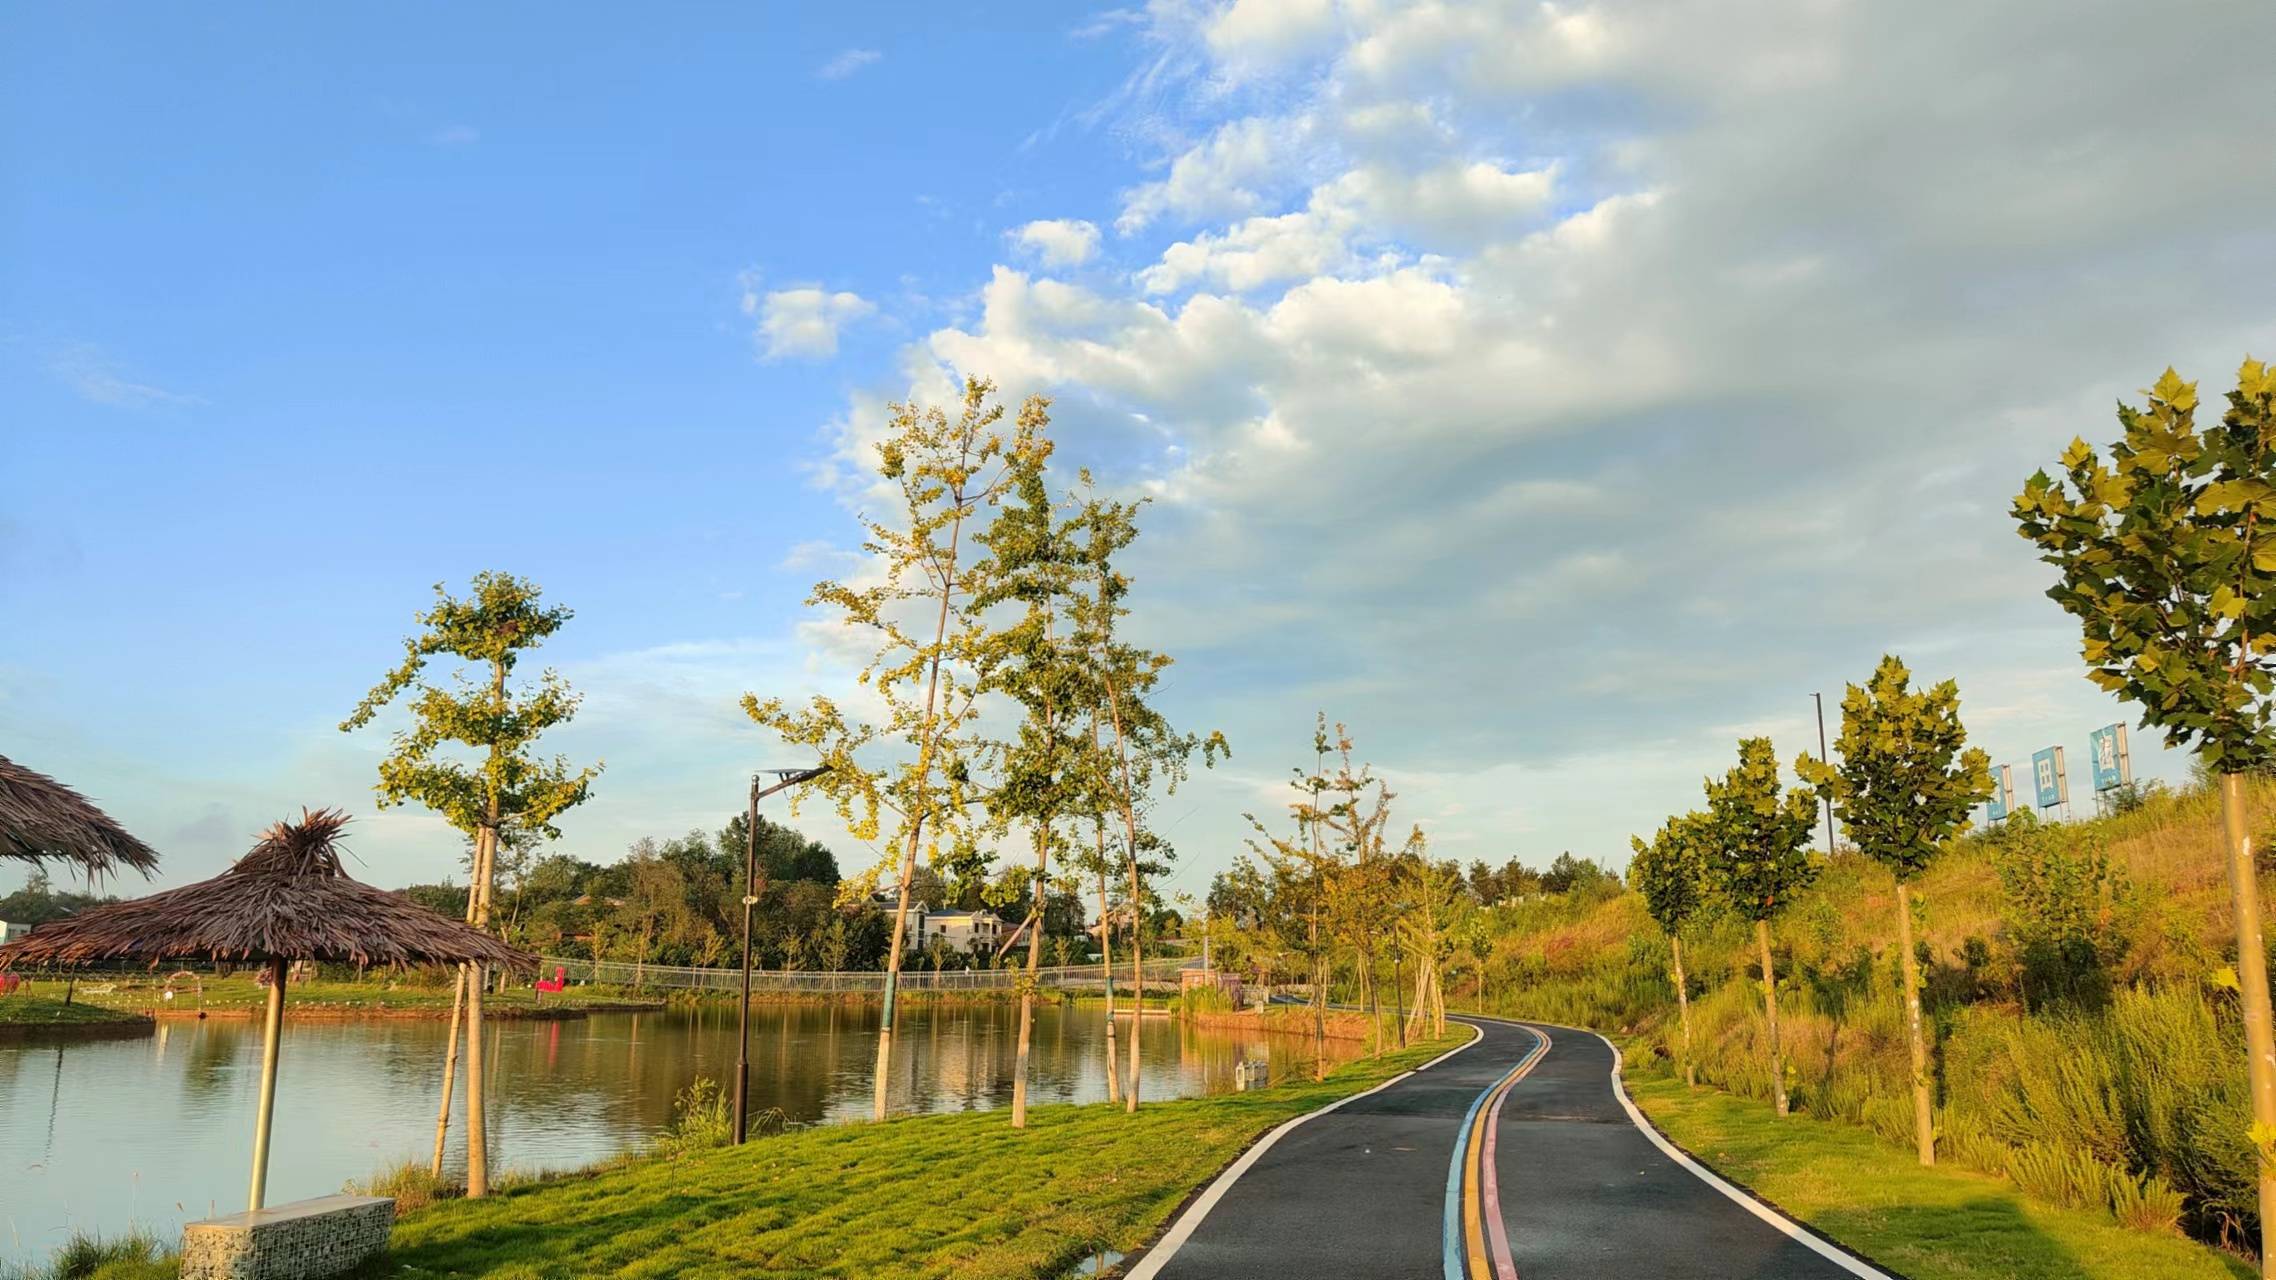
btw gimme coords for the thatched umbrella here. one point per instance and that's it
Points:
(41, 818)
(288, 899)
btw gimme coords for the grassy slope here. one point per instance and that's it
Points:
(1600, 961)
(376, 996)
(24, 1009)
(959, 1197)
(1929, 1224)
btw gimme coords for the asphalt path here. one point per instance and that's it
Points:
(1512, 1158)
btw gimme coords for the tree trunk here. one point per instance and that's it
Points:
(477, 1119)
(1137, 968)
(450, 1066)
(1923, 1106)
(1027, 990)
(1319, 1004)
(1770, 1015)
(931, 732)
(2252, 983)
(1683, 1010)
(457, 1021)
(1106, 966)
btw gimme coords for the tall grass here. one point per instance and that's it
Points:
(136, 1255)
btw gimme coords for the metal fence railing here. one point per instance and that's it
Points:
(619, 973)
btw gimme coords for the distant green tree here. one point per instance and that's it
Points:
(1759, 856)
(507, 790)
(1569, 873)
(2167, 556)
(1671, 874)
(1905, 786)
(40, 902)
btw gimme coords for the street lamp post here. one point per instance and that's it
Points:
(785, 778)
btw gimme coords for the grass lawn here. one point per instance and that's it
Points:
(958, 1197)
(1945, 1223)
(378, 995)
(24, 1009)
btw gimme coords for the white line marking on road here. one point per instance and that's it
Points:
(1778, 1220)
(1188, 1222)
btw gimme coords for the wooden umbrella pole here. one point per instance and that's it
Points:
(272, 1033)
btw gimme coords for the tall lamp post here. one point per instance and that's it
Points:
(784, 778)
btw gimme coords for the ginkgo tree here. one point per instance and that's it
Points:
(1042, 772)
(506, 796)
(928, 640)
(1137, 749)
(1758, 842)
(1904, 787)
(1671, 874)
(2167, 553)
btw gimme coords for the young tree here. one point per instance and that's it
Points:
(1905, 786)
(1434, 922)
(2168, 560)
(1304, 870)
(1147, 751)
(1671, 874)
(1031, 565)
(1759, 855)
(1355, 890)
(506, 795)
(943, 474)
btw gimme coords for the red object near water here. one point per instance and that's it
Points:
(9, 982)
(557, 982)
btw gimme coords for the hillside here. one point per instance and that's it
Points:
(2085, 1038)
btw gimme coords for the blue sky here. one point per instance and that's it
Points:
(1552, 392)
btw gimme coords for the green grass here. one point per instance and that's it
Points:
(23, 1009)
(134, 1256)
(954, 1197)
(380, 996)
(1944, 1223)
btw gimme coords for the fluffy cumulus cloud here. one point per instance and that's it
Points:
(802, 323)
(1556, 390)
(1058, 242)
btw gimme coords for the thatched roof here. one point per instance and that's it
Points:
(41, 818)
(288, 899)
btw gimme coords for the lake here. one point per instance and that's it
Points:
(154, 1130)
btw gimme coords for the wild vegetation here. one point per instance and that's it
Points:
(2083, 1035)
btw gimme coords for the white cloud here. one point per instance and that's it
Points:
(97, 378)
(846, 63)
(1225, 175)
(1558, 385)
(1270, 30)
(455, 135)
(1058, 242)
(802, 322)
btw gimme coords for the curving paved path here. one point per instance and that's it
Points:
(1517, 1157)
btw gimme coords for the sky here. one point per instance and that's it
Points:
(1553, 393)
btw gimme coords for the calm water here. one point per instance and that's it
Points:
(155, 1130)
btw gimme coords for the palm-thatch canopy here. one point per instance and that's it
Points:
(288, 899)
(41, 819)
